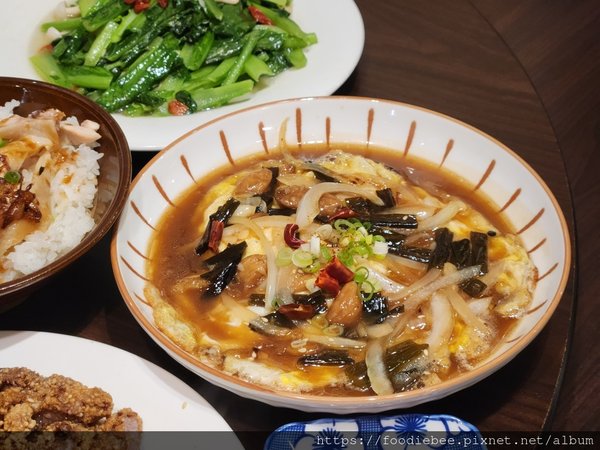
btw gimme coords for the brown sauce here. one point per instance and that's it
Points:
(173, 258)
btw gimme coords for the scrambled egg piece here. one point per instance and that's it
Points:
(294, 381)
(516, 283)
(360, 169)
(468, 345)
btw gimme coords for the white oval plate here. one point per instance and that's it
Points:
(163, 401)
(337, 24)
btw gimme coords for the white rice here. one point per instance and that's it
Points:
(71, 204)
(7, 109)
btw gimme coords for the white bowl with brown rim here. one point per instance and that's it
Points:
(511, 186)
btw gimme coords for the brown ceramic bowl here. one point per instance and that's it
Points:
(113, 182)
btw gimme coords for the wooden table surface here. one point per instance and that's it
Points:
(525, 72)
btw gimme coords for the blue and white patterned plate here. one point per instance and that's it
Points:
(409, 431)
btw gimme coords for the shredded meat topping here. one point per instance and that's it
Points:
(17, 203)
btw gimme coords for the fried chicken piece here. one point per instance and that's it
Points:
(123, 420)
(64, 425)
(10, 397)
(18, 377)
(29, 402)
(18, 418)
(74, 400)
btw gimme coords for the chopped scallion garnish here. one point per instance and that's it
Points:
(326, 255)
(302, 258)
(361, 274)
(284, 257)
(12, 177)
(343, 225)
(312, 268)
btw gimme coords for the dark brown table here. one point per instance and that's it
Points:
(528, 74)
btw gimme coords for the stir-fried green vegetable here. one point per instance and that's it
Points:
(158, 57)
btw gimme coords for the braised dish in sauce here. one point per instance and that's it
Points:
(334, 273)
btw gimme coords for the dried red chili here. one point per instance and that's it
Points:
(141, 5)
(177, 108)
(290, 236)
(259, 16)
(339, 271)
(216, 232)
(327, 283)
(163, 3)
(344, 213)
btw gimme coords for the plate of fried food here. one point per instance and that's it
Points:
(54, 382)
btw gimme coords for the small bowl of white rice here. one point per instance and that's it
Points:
(65, 170)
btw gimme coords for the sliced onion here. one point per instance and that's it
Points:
(443, 216)
(264, 326)
(308, 208)
(427, 279)
(380, 248)
(236, 310)
(244, 211)
(422, 212)
(407, 262)
(379, 330)
(324, 231)
(283, 147)
(254, 201)
(407, 194)
(239, 231)
(284, 293)
(315, 246)
(387, 285)
(269, 253)
(361, 330)
(272, 221)
(412, 301)
(313, 167)
(376, 370)
(297, 180)
(462, 309)
(311, 326)
(335, 341)
(442, 322)
(399, 327)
